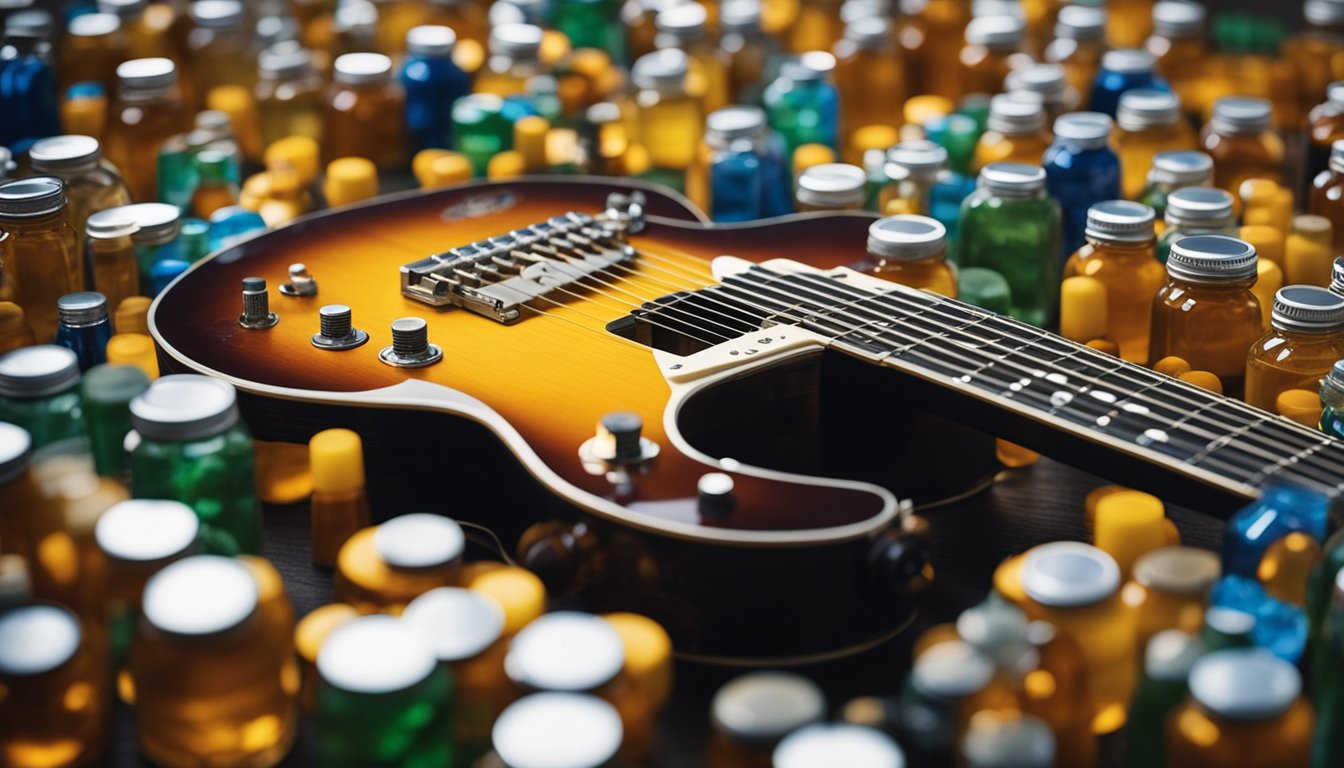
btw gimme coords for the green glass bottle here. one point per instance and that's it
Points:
(1327, 684)
(481, 129)
(959, 135)
(39, 392)
(1010, 225)
(592, 24)
(984, 288)
(1166, 671)
(1321, 586)
(382, 698)
(1226, 628)
(105, 395)
(193, 240)
(1170, 172)
(191, 447)
(1332, 398)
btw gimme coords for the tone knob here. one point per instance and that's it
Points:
(410, 345)
(257, 312)
(622, 428)
(301, 283)
(337, 332)
(716, 495)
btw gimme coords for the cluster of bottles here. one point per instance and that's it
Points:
(130, 568)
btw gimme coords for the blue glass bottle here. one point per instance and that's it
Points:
(84, 327)
(27, 89)
(1280, 510)
(1081, 170)
(231, 224)
(432, 83)
(777, 171)
(802, 103)
(1332, 397)
(1280, 628)
(1121, 71)
(945, 198)
(733, 138)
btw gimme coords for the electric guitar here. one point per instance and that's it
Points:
(708, 424)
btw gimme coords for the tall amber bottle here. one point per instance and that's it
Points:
(365, 115)
(91, 184)
(515, 58)
(685, 27)
(993, 49)
(669, 121)
(1305, 339)
(339, 508)
(1317, 52)
(148, 110)
(92, 49)
(1149, 122)
(869, 75)
(1182, 56)
(288, 94)
(220, 48)
(1017, 132)
(931, 38)
(37, 250)
(1326, 197)
(1242, 143)
(910, 250)
(1119, 252)
(1079, 43)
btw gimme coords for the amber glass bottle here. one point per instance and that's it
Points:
(1119, 252)
(38, 252)
(1326, 198)
(1182, 57)
(1017, 132)
(1325, 126)
(685, 27)
(993, 49)
(1047, 84)
(515, 58)
(931, 37)
(869, 75)
(1149, 122)
(92, 49)
(670, 121)
(1242, 143)
(910, 250)
(1305, 339)
(364, 116)
(1079, 43)
(91, 184)
(219, 47)
(289, 94)
(148, 110)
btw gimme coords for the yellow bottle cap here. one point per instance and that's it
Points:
(877, 137)
(1300, 405)
(554, 46)
(282, 472)
(350, 180)
(1090, 504)
(648, 654)
(336, 460)
(424, 160)
(1105, 345)
(919, 110)
(519, 592)
(452, 168)
(1256, 192)
(1281, 206)
(134, 349)
(85, 116)
(1128, 525)
(469, 55)
(1082, 309)
(808, 155)
(1203, 379)
(529, 139)
(1171, 365)
(1268, 281)
(1268, 241)
(1259, 216)
(313, 629)
(506, 165)
(299, 153)
(132, 315)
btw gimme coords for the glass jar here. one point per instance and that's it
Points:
(148, 31)
(193, 448)
(1168, 659)
(750, 52)
(1171, 171)
(869, 75)
(220, 48)
(339, 506)
(1308, 252)
(17, 490)
(481, 129)
(830, 187)
(515, 58)
(1119, 252)
(1207, 314)
(931, 36)
(910, 250)
(38, 391)
(593, 24)
(912, 170)
(38, 252)
(1169, 590)
(1081, 170)
(1044, 83)
(683, 27)
(432, 83)
(669, 121)
(381, 569)
(288, 94)
(1149, 123)
(1011, 226)
(1242, 143)
(993, 49)
(365, 112)
(753, 712)
(106, 392)
(84, 327)
(149, 109)
(1016, 132)
(735, 150)
(1196, 211)
(1078, 46)
(802, 103)
(28, 87)
(525, 734)
(156, 227)
(1315, 51)
(1325, 126)
(92, 49)
(216, 186)
(1123, 70)
(998, 737)
(1177, 43)
(1306, 337)
(91, 184)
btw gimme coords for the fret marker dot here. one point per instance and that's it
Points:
(1057, 378)
(1061, 399)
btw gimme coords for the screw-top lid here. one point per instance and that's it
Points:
(81, 308)
(30, 23)
(1087, 130)
(1129, 61)
(216, 13)
(64, 154)
(93, 25)
(32, 197)
(1206, 207)
(110, 223)
(1178, 20)
(361, 68)
(1337, 275)
(1171, 654)
(831, 185)
(16, 451)
(200, 595)
(1016, 115)
(1323, 13)
(1081, 22)
(146, 530)
(661, 69)
(1337, 156)
(1045, 80)
(740, 16)
(906, 237)
(1007, 739)
(811, 66)
(557, 730)
(1211, 258)
(419, 540)
(1067, 574)
(1145, 108)
(1183, 168)
(519, 41)
(952, 669)
(431, 40)
(1239, 115)
(457, 623)
(869, 33)
(1178, 570)
(156, 223)
(272, 29)
(1012, 179)
(996, 31)
(565, 651)
(1307, 309)
(764, 706)
(147, 74)
(287, 58)
(1332, 390)
(374, 655)
(915, 158)
(35, 639)
(38, 371)
(684, 22)
(185, 407)
(832, 744)
(1313, 227)
(1120, 221)
(125, 9)
(735, 122)
(1245, 683)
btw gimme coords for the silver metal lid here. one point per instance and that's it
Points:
(557, 730)
(565, 651)
(16, 451)
(661, 69)
(1120, 221)
(1183, 168)
(216, 13)
(906, 237)
(1334, 92)
(831, 185)
(28, 198)
(810, 66)
(1209, 207)
(457, 623)
(1144, 108)
(519, 41)
(201, 595)
(1087, 130)
(1005, 739)
(1211, 258)
(64, 154)
(1332, 394)
(375, 655)
(735, 122)
(1016, 115)
(287, 58)
(833, 744)
(1081, 22)
(1178, 20)
(684, 22)
(147, 74)
(419, 540)
(764, 706)
(1128, 61)
(38, 371)
(111, 223)
(952, 669)
(1337, 156)
(1245, 683)
(36, 639)
(869, 33)
(992, 625)
(1171, 654)
(146, 530)
(156, 223)
(1323, 13)
(1045, 79)
(1066, 574)
(740, 16)
(93, 25)
(1178, 570)
(31, 23)
(1239, 115)
(272, 29)
(917, 158)
(431, 40)
(1337, 275)
(125, 9)
(361, 68)
(1014, 179)
(996, 31)
(81, 308)
(1307, 309)
(185, 407)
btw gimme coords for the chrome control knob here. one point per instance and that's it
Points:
(715, 491)
(410, 345)
(337, 332)
(257, 313)
(301, 283)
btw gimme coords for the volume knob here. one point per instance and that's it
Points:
(410, 345)
(337, 332)
(257, 312)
